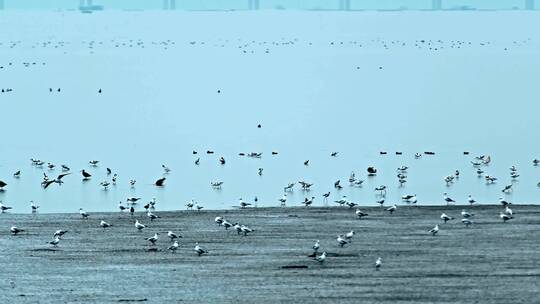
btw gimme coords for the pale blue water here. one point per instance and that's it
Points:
(312, 97)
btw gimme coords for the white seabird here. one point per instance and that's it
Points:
(245, 229)
(59, 233)
(15, 230)
(434, 230)
(467, 222)
(34, 206)
(321, 258)
(349, 235)
(190, 204)
(466, 214)
(244, 204)
(505, 217)
(104, 224)
(172, 235)
(199, 250)
(283, 200)
(83, 213)
(55, 241)
(174, 246)
(378, 263)
(508, 211)
(153, 239)
(166, 169)
(152, 216)
(446, 218)
(503, 202)
(316, 246)
(448, 199)
(218, 220)
(341, 241)
(391, 209)
(471, 200)
(139, 226)
(360, 213)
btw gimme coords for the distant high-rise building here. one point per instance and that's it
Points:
(436, 5)
(529, 4)
(165, 4)
(172, 5)
(1, 4)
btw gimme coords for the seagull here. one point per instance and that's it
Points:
(4, 208)
(381, 189)
(104, 224)
(132, 183)
(245, 229)
(466, 214)
(471, 200)
(334, 154)
(467, 222)
(85, 174)
(14, 230)
(507, 188)
(17, 174)
(289, 187)
(490, 179)
(2, 185)
(83, 213)
(536, 162)
(109, 171)
(93, 162)
(407, 197)
(244, 204)
(505, 217)
(218, 220)
(321, 258)
(341, 201)
(104, 184)
(65, 168)
(174, 246)
(378, 263)
(360, 214)
(349, 235)
(139, 226)
(132, 199)
(326, 195)
(216, 185)
(351, 204)
(503, 202)
(446, 218)
(152, 216)
(448, 199)
(341, 241)
(59, 233)
(166, 169)
(316, 246)
(508, 211)
(260, 171)
(153, 239)
(172, 235)
(226, 224)
(380, 202)
(197, 161)
(33, 206)
(199, 207)
(55, 241)
(200, 251)
(160, 182)
(434, 230)
(283, 200)
(306, 163)
(307, 202)
(391, 209)
(190, 204)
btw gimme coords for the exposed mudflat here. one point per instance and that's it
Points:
(490, 262)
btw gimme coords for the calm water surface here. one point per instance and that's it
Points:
(356, 83)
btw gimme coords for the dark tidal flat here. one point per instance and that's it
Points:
(490, 262)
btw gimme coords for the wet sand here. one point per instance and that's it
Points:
(490, 262)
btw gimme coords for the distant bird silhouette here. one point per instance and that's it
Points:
(85, 174)
(160, 182)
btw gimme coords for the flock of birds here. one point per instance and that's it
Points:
(342, 240)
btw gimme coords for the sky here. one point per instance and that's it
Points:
(264, 4)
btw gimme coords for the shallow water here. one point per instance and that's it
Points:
(349, 82)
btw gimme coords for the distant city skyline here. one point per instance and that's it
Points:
(269, 4)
